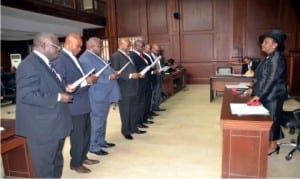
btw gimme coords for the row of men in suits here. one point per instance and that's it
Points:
(140, 93)
(49, 108)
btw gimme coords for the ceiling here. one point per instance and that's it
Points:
(18, 24)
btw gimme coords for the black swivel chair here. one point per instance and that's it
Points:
(293, 123)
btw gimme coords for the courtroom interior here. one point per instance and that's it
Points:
(176, 66)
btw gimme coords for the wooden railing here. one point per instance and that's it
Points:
(88, 11)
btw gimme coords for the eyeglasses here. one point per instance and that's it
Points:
(54, 45)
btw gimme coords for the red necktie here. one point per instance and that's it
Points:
(142, 57)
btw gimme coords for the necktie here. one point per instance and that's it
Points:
(142, 57)
(54, 72)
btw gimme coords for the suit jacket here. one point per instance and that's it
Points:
(144, 83)
(270, 78)
(104, 89)
(38, 114)
(70, 73)
(152, 77)
(128, 87)
(253, 66)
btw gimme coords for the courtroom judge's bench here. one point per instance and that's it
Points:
(245, 141)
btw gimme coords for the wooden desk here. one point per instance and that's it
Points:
(174, 82)
(217, 83)
(14, 152)
(245, 141)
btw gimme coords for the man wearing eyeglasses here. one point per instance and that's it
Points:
(42, 114)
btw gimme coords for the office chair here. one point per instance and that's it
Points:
(293, 123)
(225, 70)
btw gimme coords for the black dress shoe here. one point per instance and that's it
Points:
(108, 145)
(153, 114)
(142, 126)
(150, 117)
(140, 132)
(128, 137)
(100, 152)
(90, 162)
(149, 122)
(159, 109)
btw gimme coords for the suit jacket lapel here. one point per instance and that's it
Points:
(59, 83)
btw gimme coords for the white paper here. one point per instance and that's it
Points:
(144, 71)
(241, 86)
(102, 70)
(123, 68)
(155, 61)
(2, 128)
(164, 69)
(238, 75)
(244, 109)
(80, 80)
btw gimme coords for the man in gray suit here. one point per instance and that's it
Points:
(42, 114)
(128, 82)
(104, 92)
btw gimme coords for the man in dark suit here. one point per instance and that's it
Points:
(249, 65)
(156, 96)
(144, 92)
(104, 92)
(128, 83)
(70, 70)
(42, 114)
(152, 78)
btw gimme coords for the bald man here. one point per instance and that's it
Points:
(104, 92)
(128, 83)
(70, 70)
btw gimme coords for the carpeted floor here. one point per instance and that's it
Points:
(184, 142)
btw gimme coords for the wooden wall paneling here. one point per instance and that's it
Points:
(197, 47)
(128, 18)
(197, 15)
(111, 27)
(288, 23)
(262, 16)
(158, 16)
(239, 28)
(223, 27)
(174, 30)
(197, 73)
(143, 20)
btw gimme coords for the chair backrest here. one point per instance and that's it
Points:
(297, 116)
(225, 70)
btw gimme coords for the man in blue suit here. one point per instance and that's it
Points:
(70, 70)
(104, 92)
(42, 114)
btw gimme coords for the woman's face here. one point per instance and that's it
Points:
(268, 45)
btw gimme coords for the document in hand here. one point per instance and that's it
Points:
(155, 61)
(123, 68)
(81, 79)
(164, 69)
(244, 109)
(144, 71)
(102, 70)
